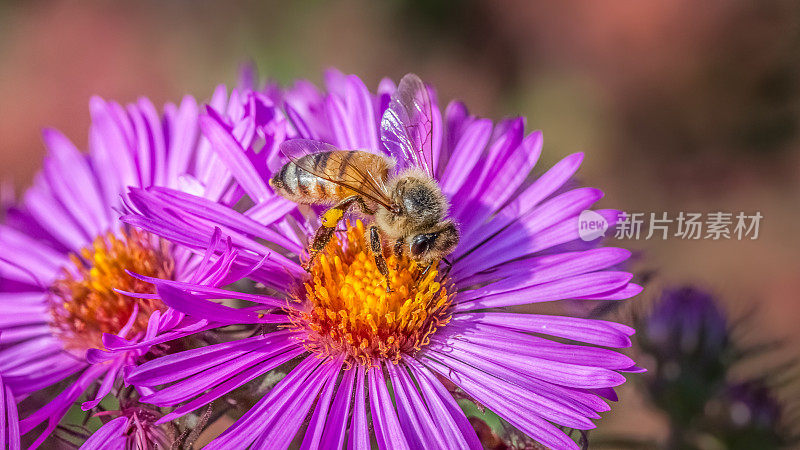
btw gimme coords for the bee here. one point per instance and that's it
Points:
(396, 187)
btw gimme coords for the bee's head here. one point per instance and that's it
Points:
(435, 244)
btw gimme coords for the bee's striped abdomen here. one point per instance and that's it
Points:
(301, 186)
(329, 177)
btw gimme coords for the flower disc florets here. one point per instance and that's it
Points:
(347, 310)
(84, 303)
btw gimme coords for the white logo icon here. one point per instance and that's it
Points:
(591, 225)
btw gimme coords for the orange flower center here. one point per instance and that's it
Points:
(84, 303)
(346, 309)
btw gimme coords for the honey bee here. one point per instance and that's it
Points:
(398, 188)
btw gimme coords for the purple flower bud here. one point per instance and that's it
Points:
(685, 321)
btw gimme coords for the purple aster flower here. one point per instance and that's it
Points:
(369, 366)
(65, 253)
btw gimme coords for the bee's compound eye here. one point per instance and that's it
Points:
(421, 243)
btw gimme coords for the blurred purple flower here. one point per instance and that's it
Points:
(351, 337)
(686, 337)
(753, 404)
(686, 321)
(65, 252)
(693, 362)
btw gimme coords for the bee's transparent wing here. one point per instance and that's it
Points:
(407, 125)
(297, 148)
(358, 179)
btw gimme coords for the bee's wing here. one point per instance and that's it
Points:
(359, 179)
(407, 125)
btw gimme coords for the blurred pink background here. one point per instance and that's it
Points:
(679, 105)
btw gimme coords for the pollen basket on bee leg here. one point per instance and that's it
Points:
(332, 217)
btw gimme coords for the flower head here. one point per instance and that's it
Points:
(66, 257)
(344, 308)
(85, 302)
(349, 339)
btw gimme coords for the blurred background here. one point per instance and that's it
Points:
(679, 105)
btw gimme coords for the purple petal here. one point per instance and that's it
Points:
(230, 384)
(518, 166)
(318, 424)
(359, 432)
(453, 423)
(574, 287)
(55, 410)
(574, 264)
(419, 427)
(200, 381)
(388, 432)
(107, 384)
(511, 384)
(269, 211)
(336, 424)
(255, 422)
(30, 253)
(507, 137)
(233, 156)
(597, 332)
(626, 292)
(181, 365)
(466, 154)
(204, 309)
(555, 372)
(110, 435)
(539, 190)
(184, 130)
(73, 183)
(505, 181)
(18, 356)
(531, 424)
(48, 212)
(9, 421)
(523, 236)
(292, 414)
(352, 114)
(110, 150)
(503, 340)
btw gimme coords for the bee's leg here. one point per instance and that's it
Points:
(398, 248)
(363, 205)
(321, 239)
(377, 251)
(398, 251)
(330, 220)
